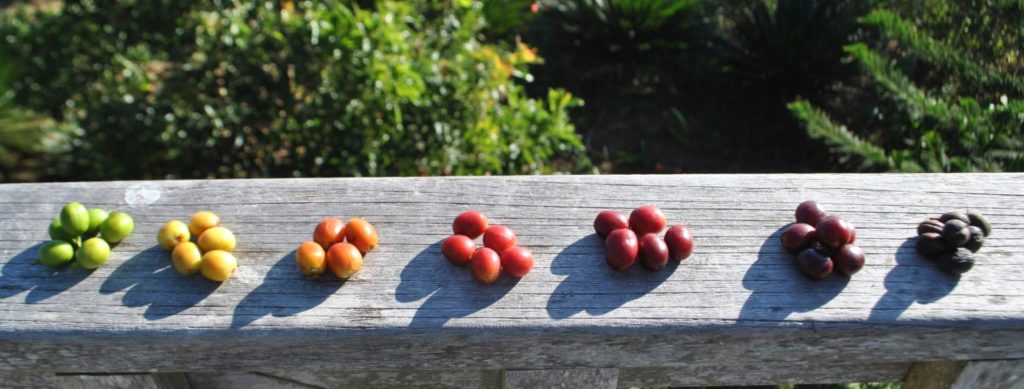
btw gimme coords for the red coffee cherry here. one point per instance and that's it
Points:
(653, 251)
(814, 264)
(835, 231)
(621, 249)
(330, 231)
(499, 238)
(798, 237)
(647, 219)
(517, 261)
(809, 212)
(486, 266)
(849, 259)
(458, 248)
(608, 221)
(679, 241)
(470, 223)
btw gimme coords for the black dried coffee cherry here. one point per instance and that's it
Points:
(956, 262)
(956, 233)
(954, 216)
(931, 245)
(980, 221)
(977, 239)
(930, 225)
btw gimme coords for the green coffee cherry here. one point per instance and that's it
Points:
(96, 218)
(74, 219)
(56, 253)
(57, 231)
(117, 227)
(93, 253)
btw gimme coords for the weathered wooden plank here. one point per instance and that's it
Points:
(737, 302)
(562, 378)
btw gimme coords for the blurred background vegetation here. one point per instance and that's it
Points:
(132, 89)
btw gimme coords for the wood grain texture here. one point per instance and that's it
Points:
(561, 378)
(737, 301)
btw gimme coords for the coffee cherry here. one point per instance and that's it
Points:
(977, 239)
(499, 238)
(117, 227)
(980, 221)
(186, 258)
(486, 265)
(458, 249)
(93, 253)
(798, 237)
(311, 258)
(202, 221)
(679, 241)
(956, 262)
(653, 251)
(344, 260)
(517, 261)
(57, 231)
(956, 233)
(96, 218)
(329, 231)
(955, 216)
(814, 264)
(608, 221)
(56, 253)
(621, 249)
(647, 219)
(171, 234)
(470, 223)
(931, 245)
(217, 238)
(848, 259)
(74, 219)
(218, 265)
(361, 234)
(930, 225)
(809, 212)
(835, 231)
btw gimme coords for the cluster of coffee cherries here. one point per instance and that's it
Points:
(499, 254)
(822, 243)
(336, 246)
(84, 235)
(623, 249)
(210, 255)
(951, 239)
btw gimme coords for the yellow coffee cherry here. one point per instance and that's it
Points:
(172, 234)
(218, 265)
(186, 258)
(202, 221)
(217, 238)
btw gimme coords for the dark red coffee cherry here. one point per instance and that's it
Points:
(848, 259)
(956, 262)
(931, 245)
(814, 264)
(653, 251)
(930, 225)
(809, 212)
(499, 238)
(679, 241)
(470, 223)
(621, 249)
(956, 233)
(798, 237)
(835, 231)
(647, 219)
(608, 221)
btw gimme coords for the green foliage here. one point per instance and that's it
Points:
(237, 89)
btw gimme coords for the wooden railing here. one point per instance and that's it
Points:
(736, 312)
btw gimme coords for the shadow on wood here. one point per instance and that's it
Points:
(19, 274)
(149, 276)
(913, 279)
(285, 291)
(777, 287)
(585, 289)
(451, 289)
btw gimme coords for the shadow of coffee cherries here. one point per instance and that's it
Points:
(778, 289)
(21, 274)
(450, 290)
(152, 282)
(914, 279)
(285, 291)
(594, 287)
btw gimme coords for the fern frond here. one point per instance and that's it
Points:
(839, 138)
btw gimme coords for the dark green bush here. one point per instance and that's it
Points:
(231, 89)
